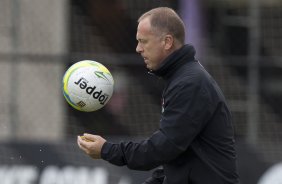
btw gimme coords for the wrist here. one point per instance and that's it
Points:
(105, 150)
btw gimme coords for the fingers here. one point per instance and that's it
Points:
(91, 137)
(85, 139)
(84, 142)
(80, 144)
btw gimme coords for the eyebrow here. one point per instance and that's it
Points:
(142, 40)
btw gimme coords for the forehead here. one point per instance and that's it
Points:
(144, 27)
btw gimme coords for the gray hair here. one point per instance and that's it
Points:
(166, 20)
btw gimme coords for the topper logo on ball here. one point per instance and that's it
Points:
(82, 83)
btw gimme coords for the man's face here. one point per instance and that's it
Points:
(150, 45)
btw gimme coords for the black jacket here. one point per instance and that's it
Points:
(195, 141)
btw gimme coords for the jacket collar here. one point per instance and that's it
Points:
(175, 60)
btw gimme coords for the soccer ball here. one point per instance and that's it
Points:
(88, 85)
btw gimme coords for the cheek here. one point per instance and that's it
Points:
(154, 51)
(147, 47)
(156, 58)
(152, 48)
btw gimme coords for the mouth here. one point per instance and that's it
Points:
(145, 59)
(146, 62)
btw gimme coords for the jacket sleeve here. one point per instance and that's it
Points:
(177, 131)
(144, 155)
(157, 177)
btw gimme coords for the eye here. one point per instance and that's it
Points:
(142, 41)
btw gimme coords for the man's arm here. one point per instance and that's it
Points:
(145, 155)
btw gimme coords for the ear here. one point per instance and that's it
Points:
(168, 41)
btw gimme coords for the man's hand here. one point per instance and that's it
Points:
(91, 145)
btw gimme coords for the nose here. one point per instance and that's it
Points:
(139, 49)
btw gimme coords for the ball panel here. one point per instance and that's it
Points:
(66, 79)
(68, 99)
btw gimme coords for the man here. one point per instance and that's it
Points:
(195, 141)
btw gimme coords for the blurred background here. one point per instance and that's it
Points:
(238, 42)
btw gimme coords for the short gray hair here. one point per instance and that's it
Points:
(166, 20)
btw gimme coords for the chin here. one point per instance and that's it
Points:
(150, 68)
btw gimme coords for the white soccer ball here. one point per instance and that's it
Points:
(88, 85)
